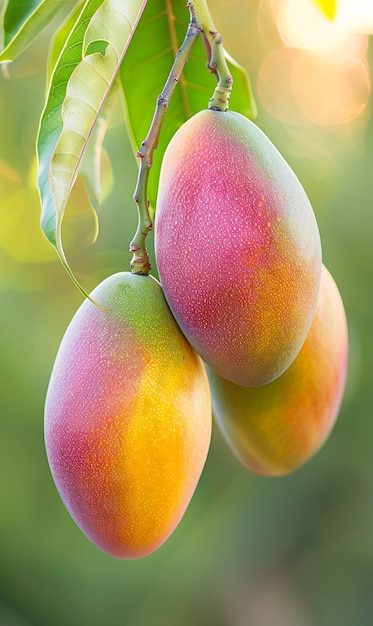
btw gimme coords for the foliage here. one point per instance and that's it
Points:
(146, 66)
(87, 52)
(22, 22)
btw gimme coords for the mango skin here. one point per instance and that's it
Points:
(237, 247)
(274, 429)
(127, 418)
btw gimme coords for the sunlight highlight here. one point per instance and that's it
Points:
(330, 97)
(320, 72)
(301, 25)
(355, 16)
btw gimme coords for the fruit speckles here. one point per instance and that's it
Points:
(237, 247)
(128, 418)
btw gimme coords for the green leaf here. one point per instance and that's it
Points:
(23, 21)
(91, 169)
(242, 95)
(97, 176)
(145, 69)
(327, 7)
(79, 86)
(59, 39)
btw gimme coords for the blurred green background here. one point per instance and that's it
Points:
(250, 551)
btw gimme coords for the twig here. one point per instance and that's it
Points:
(140, 260)
(200, 22)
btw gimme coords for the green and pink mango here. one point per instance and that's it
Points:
(127, 417)
(275, 428)
(237, 247)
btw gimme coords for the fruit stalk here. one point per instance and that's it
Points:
(140, 260)
(216, 62)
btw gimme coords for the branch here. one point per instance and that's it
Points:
(140, 260)
(200, 22)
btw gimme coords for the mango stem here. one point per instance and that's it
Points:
(140, 260)
(216, 61)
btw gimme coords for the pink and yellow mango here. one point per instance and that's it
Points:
(237, 247)
(275, 428)
(127, 418)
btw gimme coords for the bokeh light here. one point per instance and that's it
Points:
(274, 85)
(330, 94)
(318, 72)
(355, 16)
(301, 25)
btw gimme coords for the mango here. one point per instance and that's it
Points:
(274, 429)
(237, 247)
(127, 417)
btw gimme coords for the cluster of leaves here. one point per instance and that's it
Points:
(99, 47)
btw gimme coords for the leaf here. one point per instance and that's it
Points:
(60, 37)
(23, 21)
(327, 7)
(145, 69)
(242, 97)
(98, 179)
(95, 168)
(79, 86)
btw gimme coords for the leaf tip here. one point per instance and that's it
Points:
(85, 294)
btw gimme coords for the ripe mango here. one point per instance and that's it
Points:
(237, 247)
(127, 417)
(275, 428)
